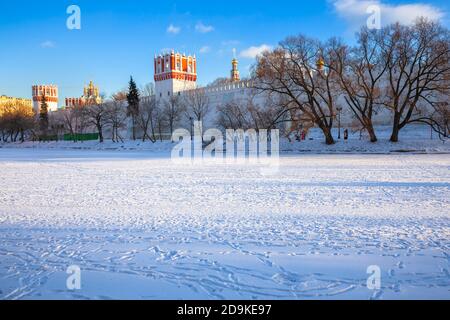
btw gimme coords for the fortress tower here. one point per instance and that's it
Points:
(174, 73)
(49, 93)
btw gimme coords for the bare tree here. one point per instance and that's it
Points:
(300, 71)
(82, 120)
(197, 104)
(268, 112)
(361, 70)
(76, 120)
(68, 117)
(417, 69)
(146, 115)
(234, 115)
(255, 112)
(172, 110)
(146, 119)
(436, 116)
(435, 112)
(116, 115)
(96, 116)
(160, 121)
(56, 123)
(441, 119)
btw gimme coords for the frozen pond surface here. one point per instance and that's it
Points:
(139, 226)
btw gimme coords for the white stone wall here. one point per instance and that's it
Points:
(52, 106)
(167, 88)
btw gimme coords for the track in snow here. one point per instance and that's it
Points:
(141, 227)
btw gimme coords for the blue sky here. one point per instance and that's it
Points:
(120, 38)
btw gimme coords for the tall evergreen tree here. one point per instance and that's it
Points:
(133, 104)
(43, 116)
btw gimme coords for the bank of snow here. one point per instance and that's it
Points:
(413, 139)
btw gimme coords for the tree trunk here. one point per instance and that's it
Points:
(153, 138)
(145, 129)
(100, 131)
(119, 137)
(396, 128)
(113, 133)
(371, 130)
(329, 140)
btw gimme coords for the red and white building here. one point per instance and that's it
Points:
(174, 73)
(49, 93)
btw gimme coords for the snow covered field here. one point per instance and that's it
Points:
(141, 227)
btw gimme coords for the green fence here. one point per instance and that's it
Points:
(81, 137)
(48, 138)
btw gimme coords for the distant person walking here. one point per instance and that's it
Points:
(346, 134)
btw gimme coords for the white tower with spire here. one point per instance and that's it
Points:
(235, 75)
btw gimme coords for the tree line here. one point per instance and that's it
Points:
(134, 109)
(404, 70)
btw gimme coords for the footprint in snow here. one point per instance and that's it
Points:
(171, 255)
(266, 262)
(376, 295)
(391, 272)
(232, 278)
(396, 287)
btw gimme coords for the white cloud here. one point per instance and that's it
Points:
(48, 44)
(200, 27)
(253, 52)
(228, 43)
(205, 49)
(355, 11)
(173, 30)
